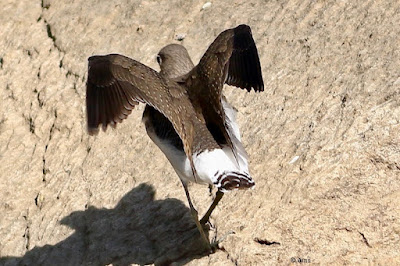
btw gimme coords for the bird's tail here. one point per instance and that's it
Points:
(215, 167)
(233, 181)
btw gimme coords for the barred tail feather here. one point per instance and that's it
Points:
(215, 167)
(233, 180)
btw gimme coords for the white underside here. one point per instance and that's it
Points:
(207, 163)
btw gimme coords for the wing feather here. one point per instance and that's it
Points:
(233, 59)
(236, 49)
(116, 84)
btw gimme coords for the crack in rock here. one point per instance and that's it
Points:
(365, 240)
(229, 256)
(27, 234)
(52, 36)
(45, 170)
(265, 242)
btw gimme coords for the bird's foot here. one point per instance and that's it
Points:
(215, 242)
(204, 221)
(206, 224)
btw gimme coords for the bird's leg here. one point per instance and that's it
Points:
(206, 216)
(195, 217)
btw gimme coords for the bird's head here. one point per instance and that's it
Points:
(174, 61)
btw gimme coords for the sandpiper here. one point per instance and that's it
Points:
(186, 114)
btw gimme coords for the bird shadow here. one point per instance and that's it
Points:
(139, 230)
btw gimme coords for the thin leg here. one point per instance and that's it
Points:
(206, 216)
(195, 216)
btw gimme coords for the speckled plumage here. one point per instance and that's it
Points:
(186, 114)
(191, 102)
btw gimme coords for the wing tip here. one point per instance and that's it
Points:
(95, 57)
(93, 131)
(242, 28)
(249, 69)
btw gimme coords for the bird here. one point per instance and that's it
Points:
(186, 114)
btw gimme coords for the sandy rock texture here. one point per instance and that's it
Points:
(323, 137)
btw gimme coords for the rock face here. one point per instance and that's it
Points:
(323, 138)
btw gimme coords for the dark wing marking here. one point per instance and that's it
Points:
(244, 68)
(233, 59)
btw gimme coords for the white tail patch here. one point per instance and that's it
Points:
(217, 168)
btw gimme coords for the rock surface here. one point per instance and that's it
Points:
(323, 138)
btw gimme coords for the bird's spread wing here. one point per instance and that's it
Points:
(233, 59)
(117, 83)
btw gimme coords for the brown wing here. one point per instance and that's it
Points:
(117, 83)
(233, 59)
